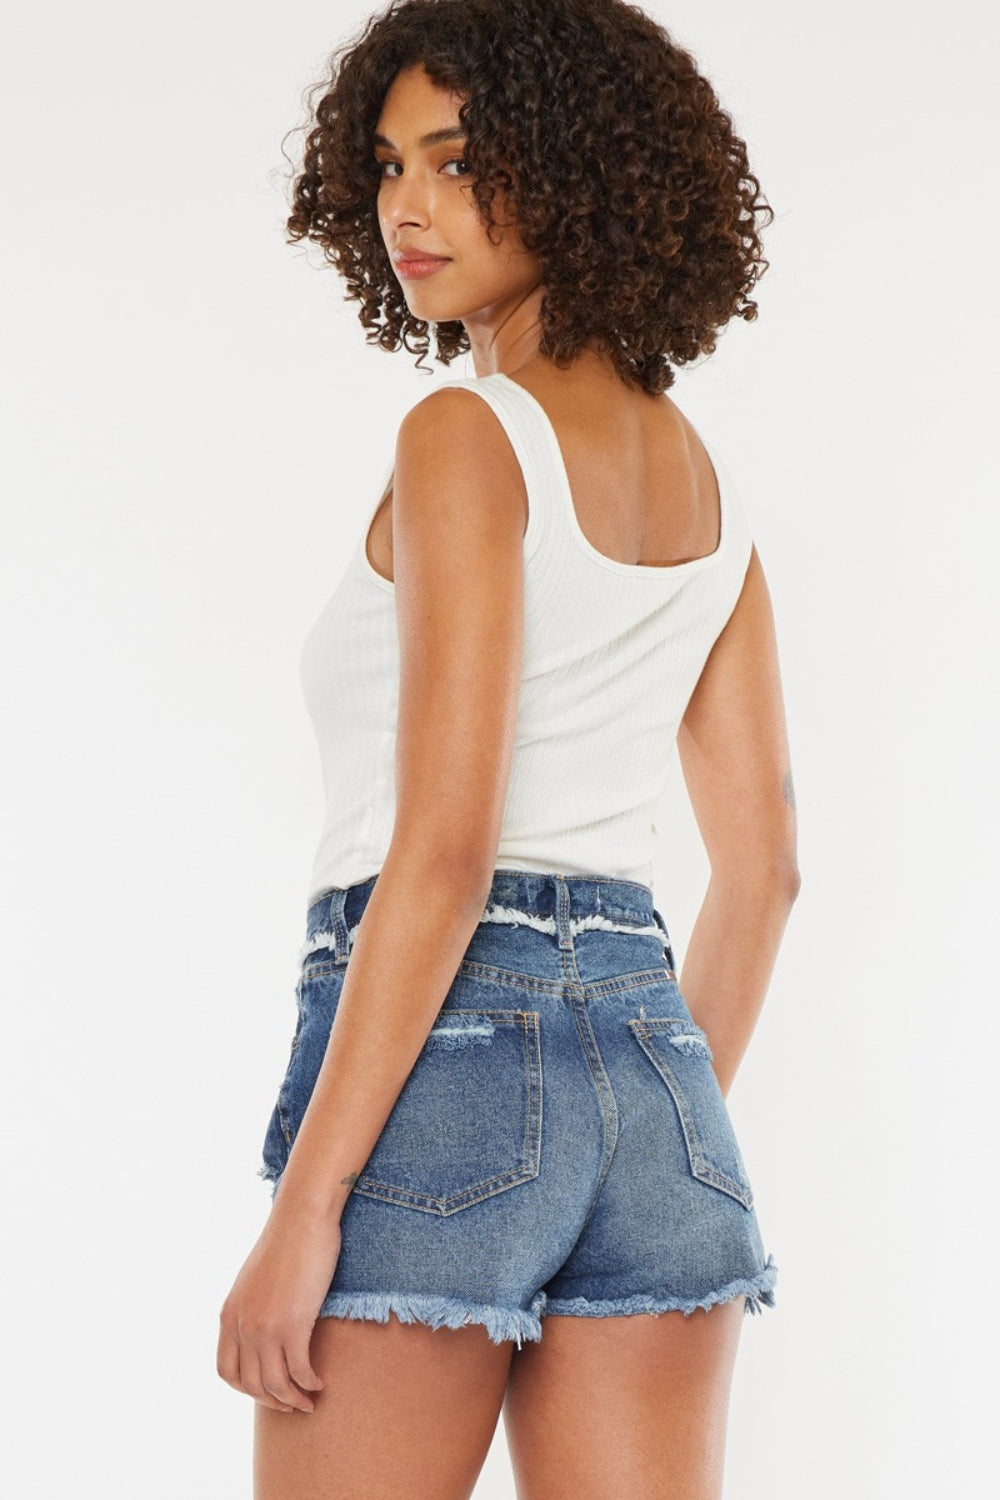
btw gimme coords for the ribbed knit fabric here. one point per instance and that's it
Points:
(612, 654)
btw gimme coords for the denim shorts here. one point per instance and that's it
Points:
(561, 1144)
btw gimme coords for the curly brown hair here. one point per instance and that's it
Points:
(624, 172)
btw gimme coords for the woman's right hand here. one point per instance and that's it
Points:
(268, 1317)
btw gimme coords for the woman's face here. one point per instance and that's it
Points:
(425, 205)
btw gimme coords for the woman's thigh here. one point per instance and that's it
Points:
(632, 1406)
(404, 1410)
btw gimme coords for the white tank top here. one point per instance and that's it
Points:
(612, 654)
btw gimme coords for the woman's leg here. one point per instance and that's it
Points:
(636, 1406)
(405, 1410)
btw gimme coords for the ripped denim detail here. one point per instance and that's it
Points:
(692, 1042)
(325, 940)
(515, 916)
(461, 1034)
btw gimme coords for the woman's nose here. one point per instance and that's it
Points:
(409, 203)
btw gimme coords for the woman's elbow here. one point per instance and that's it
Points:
(791, 877)
(443, 860)
(774, 869)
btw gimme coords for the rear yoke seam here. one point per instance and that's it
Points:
(472, 968)
(612, 985)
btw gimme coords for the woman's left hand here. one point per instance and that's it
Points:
(268, 1317)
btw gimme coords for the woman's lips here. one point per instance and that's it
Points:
(412, 269)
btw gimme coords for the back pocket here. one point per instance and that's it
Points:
(467, 1124)
(680, 1052)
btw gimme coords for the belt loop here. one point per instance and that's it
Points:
(667, 947)
(563, 928)
(337, 924)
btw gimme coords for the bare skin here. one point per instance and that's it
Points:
(609, 1407)
(601, 1407)
(405, 1411)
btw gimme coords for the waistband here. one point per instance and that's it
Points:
(563, 905)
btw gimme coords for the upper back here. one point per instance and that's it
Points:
(643, 487)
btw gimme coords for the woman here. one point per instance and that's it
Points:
(504, 1175)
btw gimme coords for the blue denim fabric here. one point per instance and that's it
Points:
(561, 1144)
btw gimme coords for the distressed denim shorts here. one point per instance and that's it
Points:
(561, 1145)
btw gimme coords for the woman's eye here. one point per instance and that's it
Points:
(455, 161)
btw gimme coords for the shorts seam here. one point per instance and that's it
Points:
(613, 984)
(472, 968)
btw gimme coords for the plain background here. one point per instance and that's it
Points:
(193, 427)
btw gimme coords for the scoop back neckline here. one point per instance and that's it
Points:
(582, 542)
(580, 537)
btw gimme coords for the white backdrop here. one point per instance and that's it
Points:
(193, 426)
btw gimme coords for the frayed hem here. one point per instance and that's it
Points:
(758, 1290)
(501, 1323)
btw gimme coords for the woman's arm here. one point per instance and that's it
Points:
(459, 514)
(733, 748)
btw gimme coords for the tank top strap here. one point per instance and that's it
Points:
(533, 442)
